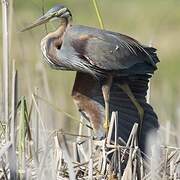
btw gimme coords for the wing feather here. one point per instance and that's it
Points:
(111, 51)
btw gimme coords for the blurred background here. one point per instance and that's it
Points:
(154, 22)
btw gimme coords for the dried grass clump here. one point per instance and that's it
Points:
(28, 150)
(91, 159)
(62, 155)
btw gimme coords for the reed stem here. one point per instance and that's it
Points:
(98, 14)
(5, 29)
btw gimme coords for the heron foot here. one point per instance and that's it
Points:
(106, 95)
(106, 120)
(106, 124)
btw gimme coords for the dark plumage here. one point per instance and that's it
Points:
(113, 73)
(99, 52)
(89, 99)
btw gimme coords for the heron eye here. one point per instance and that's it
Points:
(59, 46)
(57, 43)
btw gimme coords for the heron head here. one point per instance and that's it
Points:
(57, 12)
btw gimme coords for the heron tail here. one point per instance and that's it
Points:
(87, 94)
(127, 112)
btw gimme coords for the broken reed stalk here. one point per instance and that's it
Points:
(97, 164)
(21, 138)
(36, 128)
(90, 158)
(9, 133)
(5, 29)
(67, 154)
(44, 128)
(12, 150)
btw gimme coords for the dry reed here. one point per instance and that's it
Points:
(34, 152)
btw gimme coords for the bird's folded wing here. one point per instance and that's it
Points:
(111, 51)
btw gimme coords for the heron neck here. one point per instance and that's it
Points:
(52, 42)
(59, 32)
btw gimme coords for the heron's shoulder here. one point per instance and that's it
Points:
(105, 39)
(109, 35)
(84, 29)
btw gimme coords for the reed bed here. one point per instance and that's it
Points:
(61, 155)
(30, 150)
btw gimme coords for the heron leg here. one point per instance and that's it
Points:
(106, 95)
(125, 87)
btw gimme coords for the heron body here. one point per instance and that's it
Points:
(103, 61)
(97, 52)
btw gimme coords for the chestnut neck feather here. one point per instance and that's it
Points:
(52, 42)
(56, 37)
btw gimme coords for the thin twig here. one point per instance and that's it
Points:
(98, 14)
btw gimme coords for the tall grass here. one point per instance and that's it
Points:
(5, 25)
(98, 14)
(29, 149)
(10, 153)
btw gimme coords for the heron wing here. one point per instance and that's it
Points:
(111, 51)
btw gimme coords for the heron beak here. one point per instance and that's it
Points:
(42, 20)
